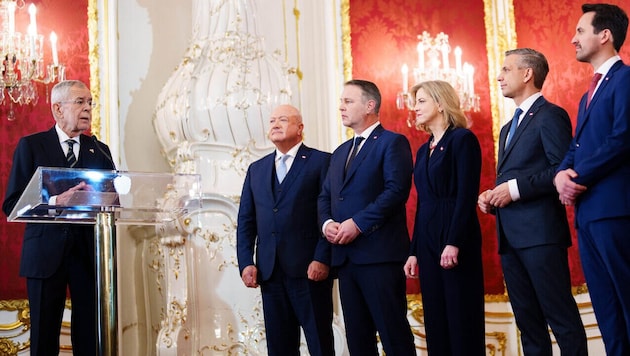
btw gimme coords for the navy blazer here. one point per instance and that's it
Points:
(282, 227)
(44, 244)
(373, 193)
(600, 150)
(447, 183)
(532, 158)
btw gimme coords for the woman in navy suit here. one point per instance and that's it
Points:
(446, 243)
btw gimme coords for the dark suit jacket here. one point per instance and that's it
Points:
(282, 228)
(600, 150)
(44, 244)
(532, 157)
(373, 193)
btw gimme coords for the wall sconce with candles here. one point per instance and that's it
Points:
(22, 57)
(434, 64)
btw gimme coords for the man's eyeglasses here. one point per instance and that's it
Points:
(80, 102)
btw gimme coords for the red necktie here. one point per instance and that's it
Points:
(591, 88)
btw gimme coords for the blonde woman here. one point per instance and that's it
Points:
(446, 243)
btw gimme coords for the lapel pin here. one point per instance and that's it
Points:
(91, 150)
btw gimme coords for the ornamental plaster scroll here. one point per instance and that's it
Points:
(15, 322)
(222, 167)
(224, 89)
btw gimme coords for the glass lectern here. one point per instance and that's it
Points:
(109, 198)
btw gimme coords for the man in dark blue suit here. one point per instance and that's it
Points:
(594, 175)
(57, 256)
(277, 223)
(362, 213)
(532, 224)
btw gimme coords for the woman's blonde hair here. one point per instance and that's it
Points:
(446, 97)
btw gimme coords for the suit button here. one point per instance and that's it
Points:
(577, 145)
(340, 198)
(275, 210)
(499, 174)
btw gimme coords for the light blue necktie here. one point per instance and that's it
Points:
(513, 126)
(281, 171)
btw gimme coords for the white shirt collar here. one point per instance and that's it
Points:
(367, 132)
(292, 152)
(527, 103)
(63, 136)
(605, 67)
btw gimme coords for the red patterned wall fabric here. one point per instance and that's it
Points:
(68, 18)
(384, 37)
(549, 27)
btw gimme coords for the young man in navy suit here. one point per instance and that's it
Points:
(534, 256)
(279, 244)
(362, 213)
(59, 256)
(594, 173)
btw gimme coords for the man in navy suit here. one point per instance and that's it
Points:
(362, 213)
(277, 224)
(594, 175)
(58, 256)
(532, 224)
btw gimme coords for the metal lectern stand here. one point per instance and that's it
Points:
(106, 284)
(114, 198)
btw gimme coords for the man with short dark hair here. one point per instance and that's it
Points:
(534, 255)
(594, 173)
(362, 213)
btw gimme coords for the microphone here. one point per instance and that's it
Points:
(100, 148)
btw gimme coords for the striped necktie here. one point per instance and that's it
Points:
(70, 157)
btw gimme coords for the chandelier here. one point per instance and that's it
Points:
(22, 56)
(434, 64)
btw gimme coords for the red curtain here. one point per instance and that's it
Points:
(68, 18)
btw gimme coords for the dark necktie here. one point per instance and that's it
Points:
(355, 149)
(70, 157)
(592, 86)
(513, 126)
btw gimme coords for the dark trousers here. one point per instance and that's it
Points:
(605, 254)
(373, 298)
(289, 303)
(47, 298)
(538, 282)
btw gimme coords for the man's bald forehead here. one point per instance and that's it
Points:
(286, 110)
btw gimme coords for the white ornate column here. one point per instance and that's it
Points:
(211, 119)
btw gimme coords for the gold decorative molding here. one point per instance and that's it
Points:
(9, 346)
(346, 40)
(298, 69)
(346, 45)
(23, 318)
(93, 48)
(500, 37)
(501, 338)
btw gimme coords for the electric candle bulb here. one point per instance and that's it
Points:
(405, 74)
(53, 45)
(32, 10)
